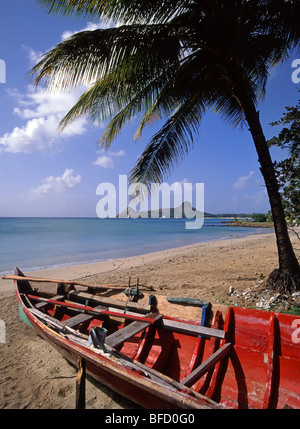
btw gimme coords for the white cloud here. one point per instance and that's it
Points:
(104, 162)
(107, 161)
(42, 112)
(118, 154)
(42, 103)
(56, 185)
(33, 55)
(241, 182)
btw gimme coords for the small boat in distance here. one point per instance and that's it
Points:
(212, 357)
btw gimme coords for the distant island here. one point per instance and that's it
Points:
(183, 211)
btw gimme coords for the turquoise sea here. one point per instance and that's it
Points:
(41, 243)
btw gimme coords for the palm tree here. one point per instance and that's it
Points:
(174, 60)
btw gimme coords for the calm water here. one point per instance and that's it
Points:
(41, 243)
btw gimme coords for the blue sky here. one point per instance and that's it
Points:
(46, 173)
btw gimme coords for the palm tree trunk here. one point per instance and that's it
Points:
(289, 269)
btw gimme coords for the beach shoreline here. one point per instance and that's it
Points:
(34, 375)
(91, 269)
(44, 244)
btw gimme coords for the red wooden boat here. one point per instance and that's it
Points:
(231, 357)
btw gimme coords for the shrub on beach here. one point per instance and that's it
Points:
(259, 217)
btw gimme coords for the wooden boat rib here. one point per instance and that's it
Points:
(233, 358)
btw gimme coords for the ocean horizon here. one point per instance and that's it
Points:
(35, 244)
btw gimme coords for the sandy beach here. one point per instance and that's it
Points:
(35, 376)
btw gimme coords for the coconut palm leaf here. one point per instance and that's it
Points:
(129, 11)
(169, 144)
(126, 51)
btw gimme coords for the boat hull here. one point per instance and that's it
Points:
(130, 385)
(245, 358)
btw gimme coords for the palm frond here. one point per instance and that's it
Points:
(169, 145)
(89, 56)
(140, 102)
(127, 81)
(125, 11)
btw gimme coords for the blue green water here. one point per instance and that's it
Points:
(41, 243)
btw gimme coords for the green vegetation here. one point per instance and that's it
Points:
(288, 170)
(259, 217)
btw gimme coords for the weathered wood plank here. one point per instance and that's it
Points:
(207, 365)
(129, 331)
(80, 383)
(195, 330)
(188, 301)
(111, 301)
(81, 318)
(41, 305)
(68, 282)
(124, 334)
